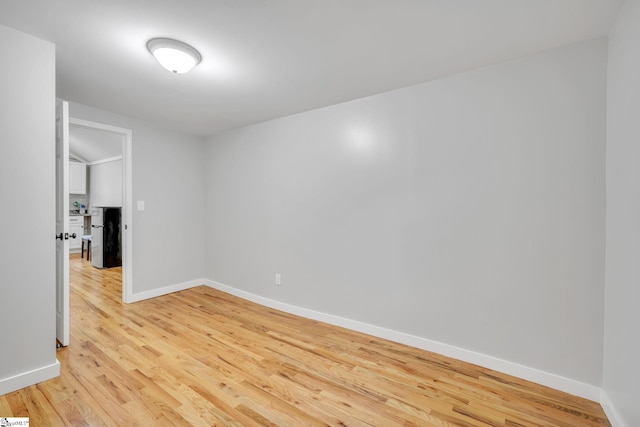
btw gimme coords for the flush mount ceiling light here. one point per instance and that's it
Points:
(174, 55)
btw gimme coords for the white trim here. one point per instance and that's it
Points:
(107, 160)
(548, 379)
(557, 382)
(127, 202)
(610, 410)
(73, 156)
(95, 125)
(26, 379)
(127, 206)
(139, 296)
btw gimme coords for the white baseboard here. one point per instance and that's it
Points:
(577, 388)
(557, 382)
(610, 410)
(26, 379)
(139, 296)
(548, 379)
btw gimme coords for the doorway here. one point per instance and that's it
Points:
(63, 235)
(105, 150)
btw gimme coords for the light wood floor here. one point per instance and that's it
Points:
(202, 357)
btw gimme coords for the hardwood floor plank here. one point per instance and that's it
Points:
(5, 408)
(40, 412)
(201, 357)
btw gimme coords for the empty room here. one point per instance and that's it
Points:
(311, 212)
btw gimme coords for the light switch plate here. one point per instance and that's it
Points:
(140, 205)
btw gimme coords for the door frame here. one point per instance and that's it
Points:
(127, 200)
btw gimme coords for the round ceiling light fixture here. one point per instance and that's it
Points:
(174, 55)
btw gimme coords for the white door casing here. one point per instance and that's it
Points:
(62, 219)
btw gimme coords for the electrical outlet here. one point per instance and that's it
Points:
(278, 279)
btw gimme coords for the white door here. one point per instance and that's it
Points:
(62, 219)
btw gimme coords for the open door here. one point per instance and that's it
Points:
(62, 221)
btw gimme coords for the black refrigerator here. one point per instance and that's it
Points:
(106, 237)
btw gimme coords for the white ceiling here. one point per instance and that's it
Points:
(264, 59)
(91, 145)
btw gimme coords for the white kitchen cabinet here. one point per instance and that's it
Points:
(105, 183)
(77, 178)
(76, 225)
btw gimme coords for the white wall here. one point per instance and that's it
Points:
(27, 191)
(105, 183)
(168, 175)
(467, 210)
(622, 302)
